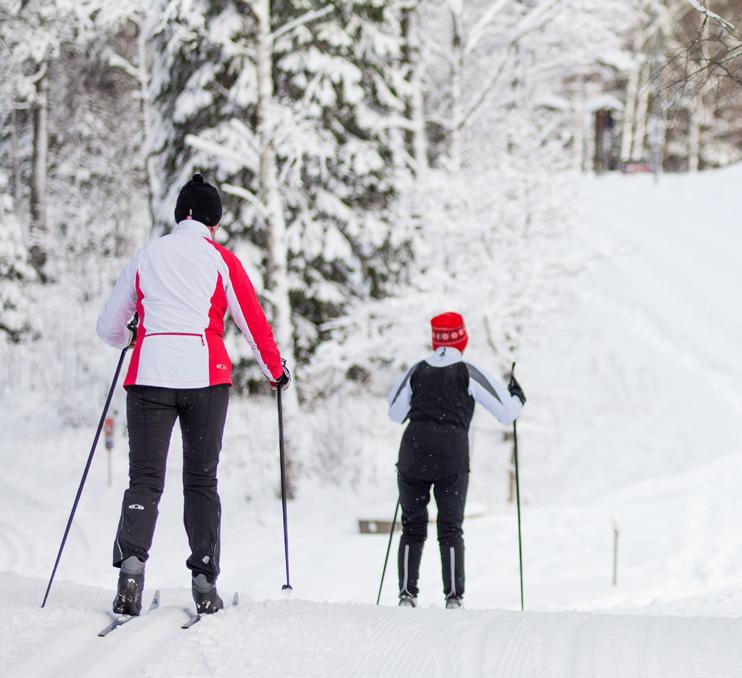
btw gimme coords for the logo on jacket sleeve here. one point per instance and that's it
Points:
(221, 366)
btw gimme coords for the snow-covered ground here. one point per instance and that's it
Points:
(634, 416)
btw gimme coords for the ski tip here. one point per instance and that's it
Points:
(155, 602)
(236, 599)
(194, 619)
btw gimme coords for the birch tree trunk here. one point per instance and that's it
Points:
(144, 93)
(39, 162)
(579, 137)
(277, 270)
(629, 120)
(16, 161)
(642, 113)
(416, 140)
(457, 84)
(694, 133)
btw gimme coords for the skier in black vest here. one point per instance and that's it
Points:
(437, 396)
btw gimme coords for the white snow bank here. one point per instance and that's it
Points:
(301, 638)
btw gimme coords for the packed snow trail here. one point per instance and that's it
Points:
(301, 638)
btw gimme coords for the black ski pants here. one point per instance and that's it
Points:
(450, 497)
(151, 412)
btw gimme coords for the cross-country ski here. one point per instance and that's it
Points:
(122, 619)
(195, 618)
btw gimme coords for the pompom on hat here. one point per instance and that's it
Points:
(449, 330)
(200, 201)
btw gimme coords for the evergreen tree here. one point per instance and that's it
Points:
(334, 83)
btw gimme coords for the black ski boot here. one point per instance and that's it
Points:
(128, 598)
(454, 602)
(407, 600)
(205, 595)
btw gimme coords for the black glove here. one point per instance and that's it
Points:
(516, 390)
(132, 327)
(283, 381)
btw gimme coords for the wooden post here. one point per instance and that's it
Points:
(603, 141)
(615, 552)
(108, 433)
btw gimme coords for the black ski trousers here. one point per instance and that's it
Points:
(151, 413)
(450, 497)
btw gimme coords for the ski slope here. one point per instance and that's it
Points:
(634, 417)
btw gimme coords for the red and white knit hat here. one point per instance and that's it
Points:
(449, 330)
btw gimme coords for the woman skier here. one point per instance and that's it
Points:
(180, 286)
(437, 396)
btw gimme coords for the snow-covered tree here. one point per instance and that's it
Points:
(682, 90)
(15, 271)
(491, 217)
(30, 39)
(79, 144)
(285, 106)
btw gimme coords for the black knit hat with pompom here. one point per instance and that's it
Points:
(200, 201)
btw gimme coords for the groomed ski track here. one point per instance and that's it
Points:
(301, 638)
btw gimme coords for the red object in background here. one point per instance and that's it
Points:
(636, 168)
(108, 432)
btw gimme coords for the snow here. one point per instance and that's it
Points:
(303, 638)
(633, 416)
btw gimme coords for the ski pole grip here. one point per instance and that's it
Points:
(133, 323)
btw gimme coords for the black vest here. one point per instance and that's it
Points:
(435, 444)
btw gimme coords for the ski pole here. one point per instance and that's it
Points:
(287, 585)
(132, 326)
(517, 500)
(388, 549)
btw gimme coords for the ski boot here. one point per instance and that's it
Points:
(407, 600)
(454, 602)
(205, 595)
(128, 598)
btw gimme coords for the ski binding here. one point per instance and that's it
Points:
(195, 618)
(122, 619)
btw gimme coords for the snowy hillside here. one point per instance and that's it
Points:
(634, 415)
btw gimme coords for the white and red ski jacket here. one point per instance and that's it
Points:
(181, 286)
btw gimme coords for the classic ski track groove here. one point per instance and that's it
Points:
(84, 654)
(131, 644)
(63, 650)
(515, 653)
(422, 627)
